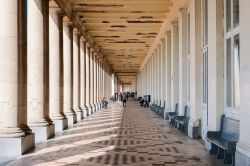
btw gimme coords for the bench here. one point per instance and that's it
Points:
(172, 115)
(157, 108)
(152, 106)
(223, 142)
(182, 121)
(162, 110)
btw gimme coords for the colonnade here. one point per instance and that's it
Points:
(200, 59)
(51, 76)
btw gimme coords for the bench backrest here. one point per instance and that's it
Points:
(164, 104)
(186, 114)
(176, 109)
(230, 128)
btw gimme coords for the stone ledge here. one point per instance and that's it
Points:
(14, 147)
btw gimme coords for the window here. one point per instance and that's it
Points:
(205, 49)
(232, 54)
(232, 14)
(188, 32)
(205, 22)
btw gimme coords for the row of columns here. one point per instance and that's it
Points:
(165, 73)
(50, 76)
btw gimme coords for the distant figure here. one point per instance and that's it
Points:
(124, 99)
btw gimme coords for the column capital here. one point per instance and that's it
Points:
(82, 39)
(87, 45)
(174, 22)
(168, 33)
(76, 31)
(162, 40)
(183, 10)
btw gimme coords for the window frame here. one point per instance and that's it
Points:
(230, 33)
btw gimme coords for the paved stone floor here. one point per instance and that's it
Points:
(133, 137)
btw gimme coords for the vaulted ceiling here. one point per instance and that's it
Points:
(124, 30)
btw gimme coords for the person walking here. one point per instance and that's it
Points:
(124, 99)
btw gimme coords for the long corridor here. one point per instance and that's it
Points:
(118, 136)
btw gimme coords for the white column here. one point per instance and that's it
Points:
(9, 79)
(55, 69)
(168, 71)
(215, 64)
(243, 146)
(174, 65)
(76, 74)
(88, 96)
(183, 61)
(13, 114)
(37, 57)
(67, 73)
(163, 72)
(95, 81)
(159, 74)
(195, 68)
(92, 80)
(83, 76)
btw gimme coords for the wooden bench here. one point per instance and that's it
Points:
(162, 110)
(157, 108)
(182, 121)
(152, 106)
(172, 115)
(223, 142)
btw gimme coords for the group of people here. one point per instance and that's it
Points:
(144, 100)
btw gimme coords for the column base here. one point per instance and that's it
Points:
(96, 107)
(79, 115)
(84, 112)
(72, 119)
(60, 124)
(194, 129)
(242, 154)
(90, 110)
(100, 105)
(43, 133)
(14, 147)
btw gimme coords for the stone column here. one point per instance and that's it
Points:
(13, 140)
(183, 61)
(91, 81)
(159, 74)
(88, 105)
(163, 72)
(168, 71)
(174, 65)
(37, 70)
(98, 84)
(94, 81)
(67, 72)
(243, 146)
(195, 70)
(55, 69)
(76, 76)
(83, 76)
